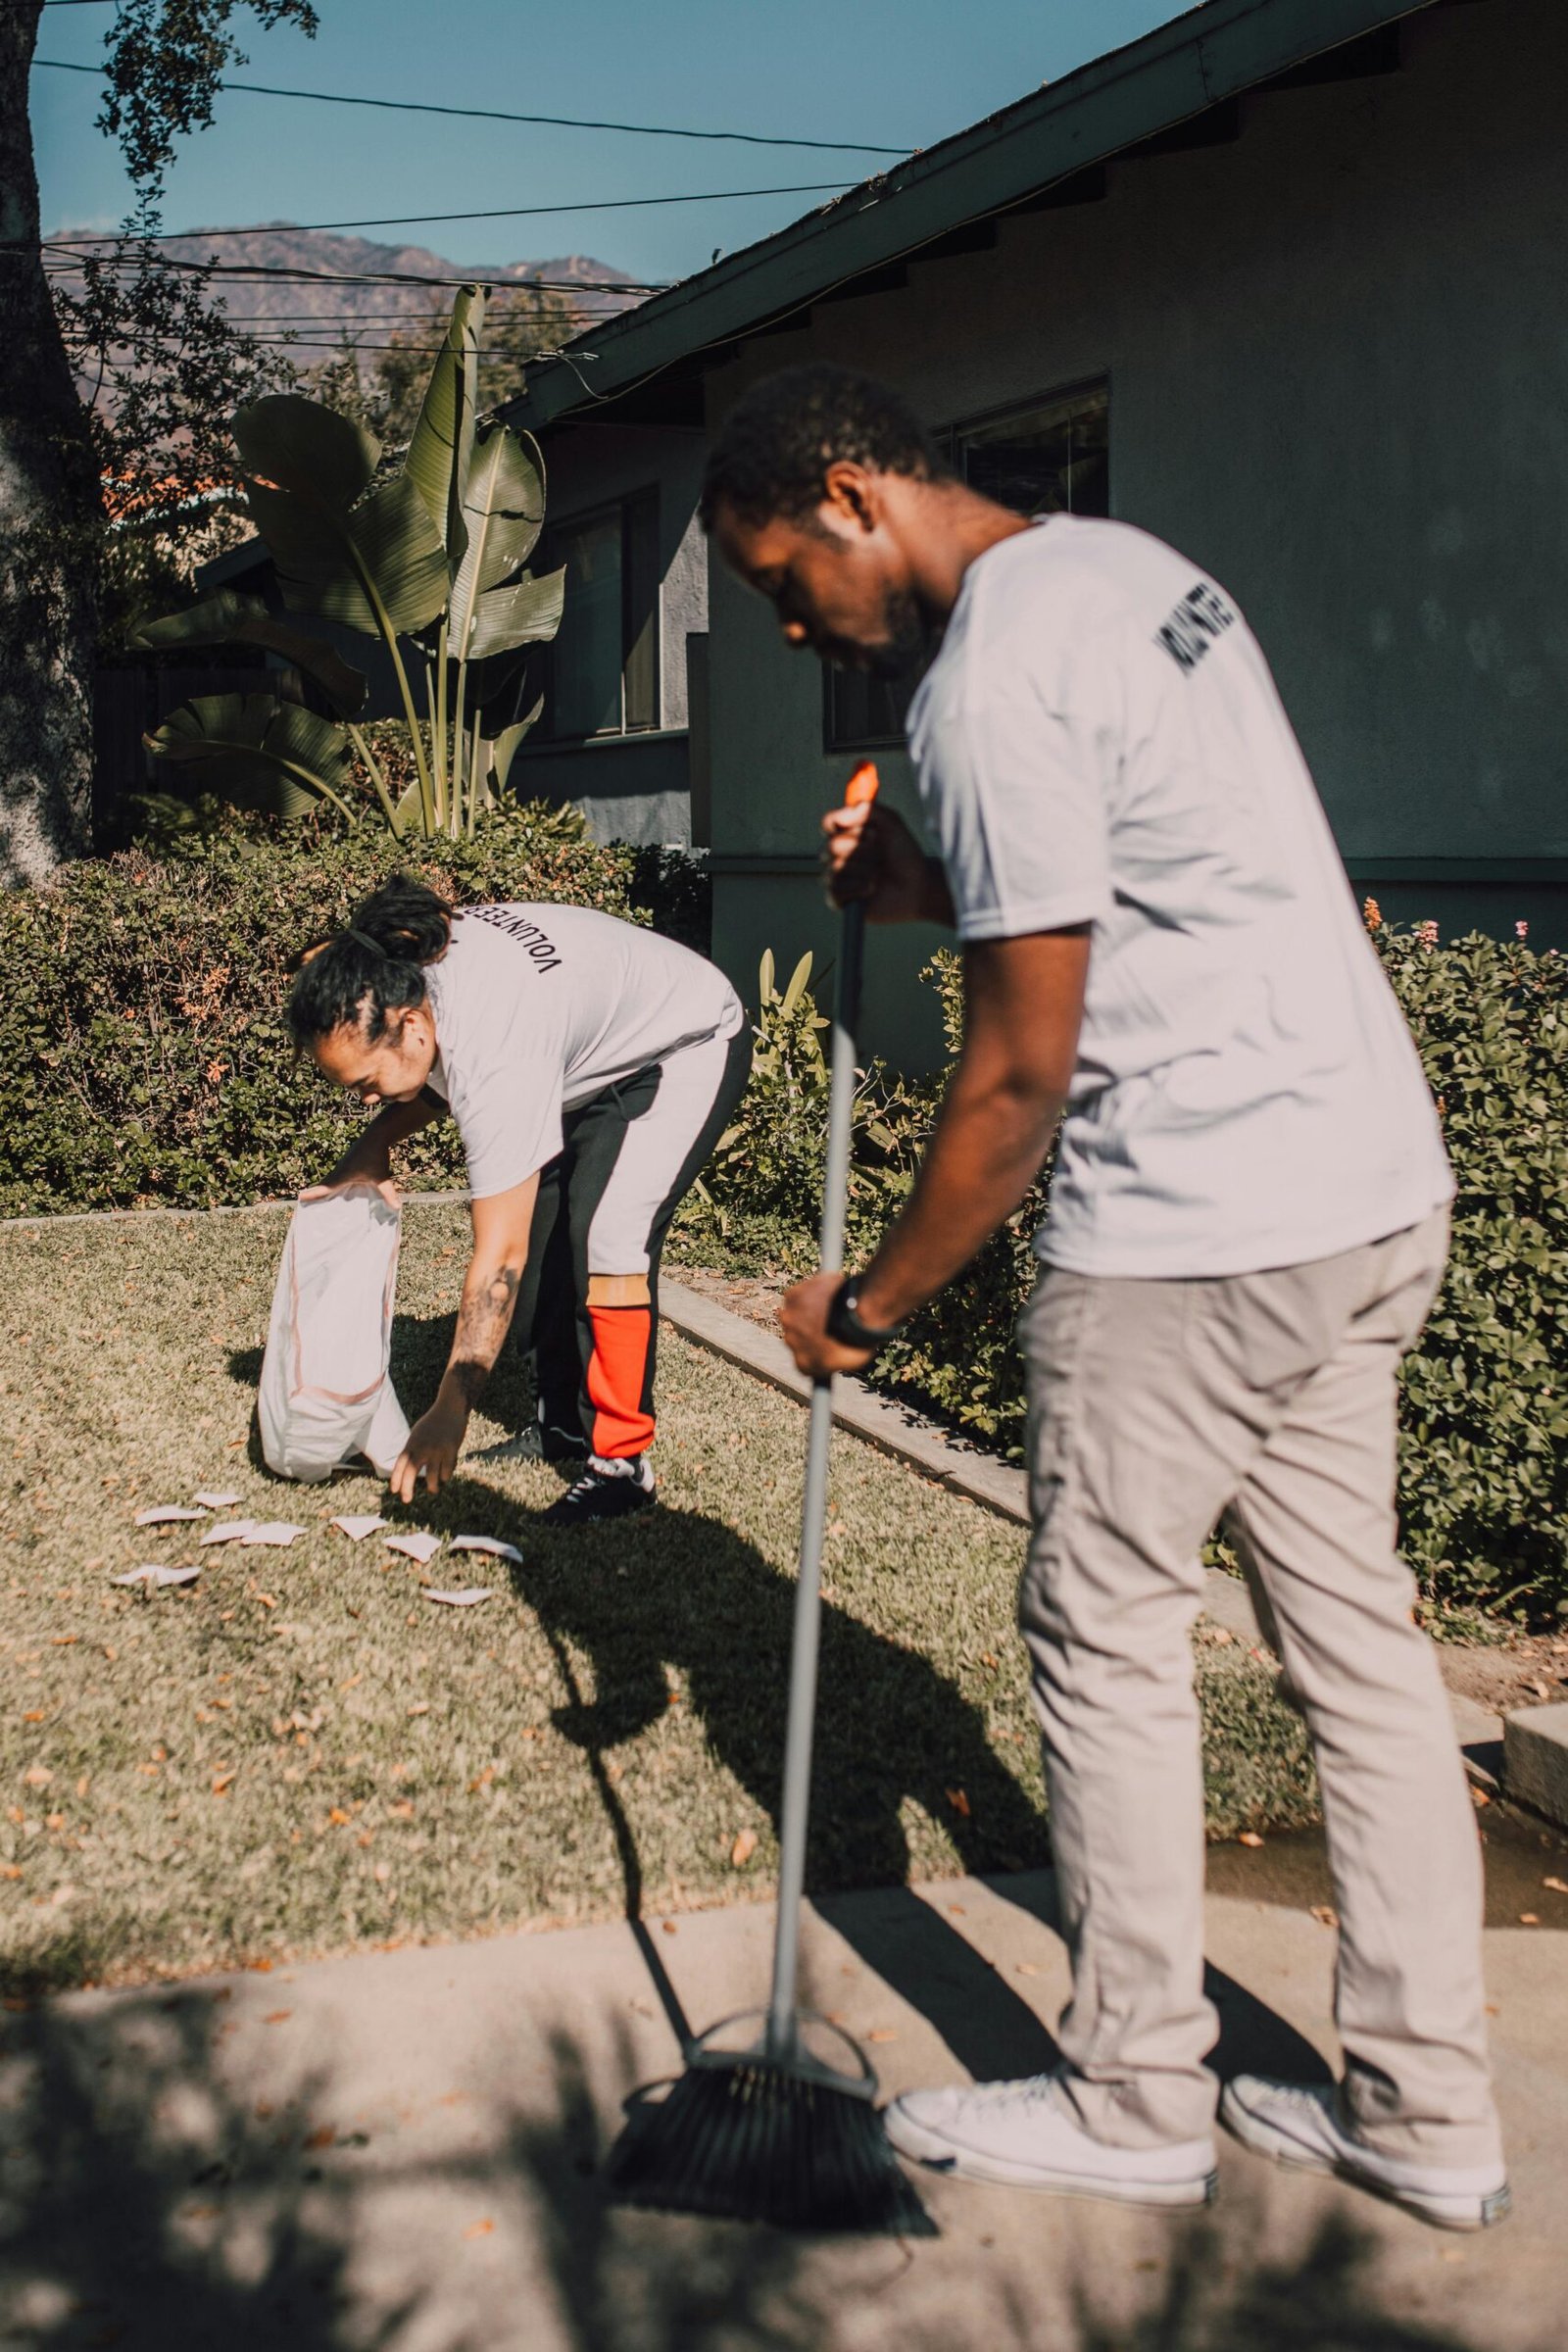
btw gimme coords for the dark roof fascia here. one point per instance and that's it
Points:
(1213, 53)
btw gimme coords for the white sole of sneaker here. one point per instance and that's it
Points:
(1465, 2213)
(938, 2155)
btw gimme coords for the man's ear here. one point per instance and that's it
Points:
(852, 496)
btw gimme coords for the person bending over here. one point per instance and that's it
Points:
(591, 1066)
(1247, 1223)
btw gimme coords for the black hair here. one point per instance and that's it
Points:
(779, 439)
(355, 977)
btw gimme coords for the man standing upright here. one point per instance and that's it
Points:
(1247, 1224)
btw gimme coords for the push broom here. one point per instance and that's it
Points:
(763, 2126)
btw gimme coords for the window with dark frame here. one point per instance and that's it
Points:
(601, 674)
(1047, 456)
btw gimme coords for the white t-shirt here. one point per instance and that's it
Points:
(1099, 741)
(537, 1008)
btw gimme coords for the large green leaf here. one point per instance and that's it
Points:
(381, 557)
(231, 617)
(504, 512)
(297, 444)
(524, 612)
(441, 452)
(257, 751)
(504, 747)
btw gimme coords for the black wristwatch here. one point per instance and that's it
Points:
(844, 1323)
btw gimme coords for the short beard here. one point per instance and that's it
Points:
(908, 637)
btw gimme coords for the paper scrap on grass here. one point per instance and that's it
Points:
(271, 1531)
(416, 1546)
(228, 1530)
(357, 1525)
(489, 1544)
(154, 1573)
(159, 1514)
(217, 1499)
(459, 1600)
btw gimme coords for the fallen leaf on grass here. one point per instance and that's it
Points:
(744, 1847)
(465, 1599)
(38, 1775)
(960, 1802)
(158, 1514)
(216, 1498)
(266, 1600)
(1529, 1919)
(228, 1530)
(273, 1531)
(36, 1715)
(357, 1525)
(417, 1547)
(154, 1574)
(489, 1544)
(220, 1783)
(1248, 1838)
(421, 1706)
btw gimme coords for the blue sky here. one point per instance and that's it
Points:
(900, 73)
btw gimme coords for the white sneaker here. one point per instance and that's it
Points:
(1020, 2134)
(1299, 2125)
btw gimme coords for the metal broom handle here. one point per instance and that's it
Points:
(781, 2030)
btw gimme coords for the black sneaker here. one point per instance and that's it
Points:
(606, 1490)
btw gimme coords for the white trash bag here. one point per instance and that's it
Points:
(324, 1393)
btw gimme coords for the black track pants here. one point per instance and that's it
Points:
(630, 1157)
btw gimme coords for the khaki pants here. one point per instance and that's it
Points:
(1268, 1402)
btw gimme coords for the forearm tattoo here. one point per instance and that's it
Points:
(483, 1322)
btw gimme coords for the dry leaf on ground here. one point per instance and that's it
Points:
(744, 1847)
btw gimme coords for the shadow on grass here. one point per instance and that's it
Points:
(162, 2193)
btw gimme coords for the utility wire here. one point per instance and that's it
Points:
(66, 255)
(486, 113)
(511, 211)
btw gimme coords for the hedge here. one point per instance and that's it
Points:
(1484, 1472)
(143, 1052)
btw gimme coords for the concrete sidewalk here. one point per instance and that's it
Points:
(401, 2149)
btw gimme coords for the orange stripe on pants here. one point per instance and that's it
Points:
(618, 1381)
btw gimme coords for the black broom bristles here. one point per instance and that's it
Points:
(750, 2140)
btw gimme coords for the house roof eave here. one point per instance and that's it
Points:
(1197, 61)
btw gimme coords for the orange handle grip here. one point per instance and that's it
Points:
(863, 785)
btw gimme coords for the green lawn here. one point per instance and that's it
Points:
(299, 1753)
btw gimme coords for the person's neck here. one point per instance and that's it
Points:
(946, 527)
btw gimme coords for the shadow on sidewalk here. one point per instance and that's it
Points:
(155, 2202)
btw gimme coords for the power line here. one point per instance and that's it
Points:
(67, 255)
(511, 212)
(486, 113)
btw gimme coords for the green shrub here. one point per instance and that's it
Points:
(1484, 1472)
(143, 1054)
